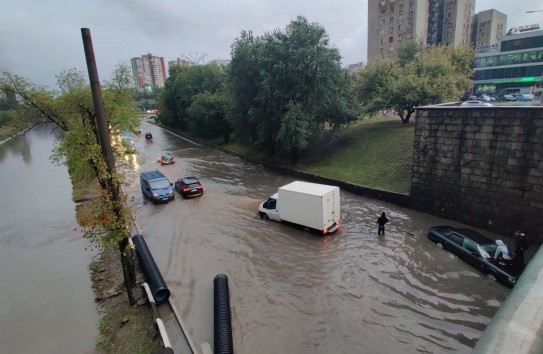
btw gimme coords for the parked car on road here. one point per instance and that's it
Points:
(476, 103)
(523, 97)
(189, 187)
(476, 249)
(166, 158)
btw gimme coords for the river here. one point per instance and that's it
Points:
(46, 301)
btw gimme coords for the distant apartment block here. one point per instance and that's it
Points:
(223, 62)
(488, 29)
(179, 62)
(148, 70)
(391, 22)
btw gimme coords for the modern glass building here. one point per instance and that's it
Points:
(517, 65)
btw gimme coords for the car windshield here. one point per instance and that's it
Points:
(159, 184)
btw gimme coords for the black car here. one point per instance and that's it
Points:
(476, 249)
(166, 159)
(189, 187)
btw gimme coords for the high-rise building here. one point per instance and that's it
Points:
(457, 22)
(391, 22)
(148, 70)
(488, 29)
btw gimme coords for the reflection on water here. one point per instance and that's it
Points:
(46, 302)
(291, 292)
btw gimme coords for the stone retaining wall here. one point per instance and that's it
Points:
(482, 166)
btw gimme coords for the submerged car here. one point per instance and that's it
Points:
(148, 136)
(476, 249)
(166, 159)
(189, 187)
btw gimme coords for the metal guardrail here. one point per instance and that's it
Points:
(517, 327)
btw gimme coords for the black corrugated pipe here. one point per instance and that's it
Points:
(223, 325)
(150, 270)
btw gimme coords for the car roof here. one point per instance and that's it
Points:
(189, 179)
(468, 233)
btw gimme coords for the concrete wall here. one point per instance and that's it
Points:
(482, 166)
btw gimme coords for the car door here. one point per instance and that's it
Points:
(470, 252)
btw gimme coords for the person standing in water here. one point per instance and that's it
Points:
(382, 221)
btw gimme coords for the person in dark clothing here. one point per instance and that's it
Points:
(382, 221)
(521, 246)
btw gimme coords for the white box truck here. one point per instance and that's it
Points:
(315, 207)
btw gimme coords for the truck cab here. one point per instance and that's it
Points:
(269, 210)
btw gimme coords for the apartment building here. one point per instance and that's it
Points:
(179, 62)
(391, 22)
(148, 70)
(457, 22)
(488, 29)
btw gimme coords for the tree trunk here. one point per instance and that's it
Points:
(294, 154)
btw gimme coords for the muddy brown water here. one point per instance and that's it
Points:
(292, 292)
(46, 301)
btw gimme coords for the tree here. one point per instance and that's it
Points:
(72, 110)
(207, 116)
(434, 75)
(284, 77)
(180, 87)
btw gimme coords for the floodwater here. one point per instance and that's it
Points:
(46, 301)
(292, 292)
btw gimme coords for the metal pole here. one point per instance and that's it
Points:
(103, 127)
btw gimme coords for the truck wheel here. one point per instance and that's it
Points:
(264, 216)
(307, 230)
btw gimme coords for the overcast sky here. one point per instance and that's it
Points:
(40, 38)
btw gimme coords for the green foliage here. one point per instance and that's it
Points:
(184, 83)
(72, 110)
(207, 115)
(284, 77)
(415, 78)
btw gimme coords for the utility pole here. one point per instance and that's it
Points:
(103, 128)
(107, 152)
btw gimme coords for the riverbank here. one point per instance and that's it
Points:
(123, 328)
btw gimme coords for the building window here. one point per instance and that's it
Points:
(391, 8)
(390, 39)
(391, 29)
(410, 14)
(400, 27)
(411, 4)
(382, 22)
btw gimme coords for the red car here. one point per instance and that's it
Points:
(166, 159)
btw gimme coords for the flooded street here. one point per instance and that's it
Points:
(291, 292)
(46, 301)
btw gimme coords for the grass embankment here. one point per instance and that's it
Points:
(375, 152)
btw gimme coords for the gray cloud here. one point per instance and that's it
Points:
(38, 38)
